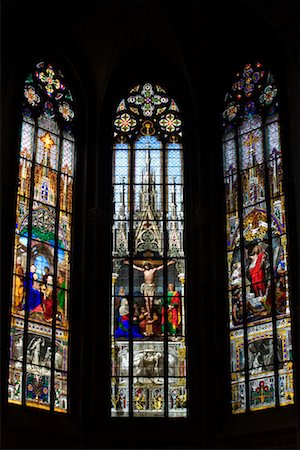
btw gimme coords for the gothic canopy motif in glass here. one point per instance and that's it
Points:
(148, 362)
(39, 336)
(257, 245)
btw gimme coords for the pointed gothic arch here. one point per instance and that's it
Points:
(148, 365)
(39, 336)
(257, 245)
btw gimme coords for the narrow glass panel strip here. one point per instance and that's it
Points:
(22, 211)
(285, 357)
(66, 193)
(281, 278)
(61, 350)
(64, 230)
(273, 140)
(68, 155)
(27, 138)
(24, 179)
(177, 392)
(120, 396)
(119, 344)
(120, 239)
(121, 201)
(18, 292)
(275, 175)
(236, 308)
(234, 269)
(238, 392)
(232, 229)
(229, 155)
(174, 203)
(16, 341)
(120, 166)
(175, 232)
(63, 268)
(61, 391)
(176, 357)
(231, 193)
(63, 296)
(174, 166)
(15, 382)
(176, 301)
(120, 279)
(237, 354)
(278, 219)
(286, 384)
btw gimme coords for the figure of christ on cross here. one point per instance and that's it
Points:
(148, 288)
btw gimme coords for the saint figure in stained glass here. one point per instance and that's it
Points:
(38, 370)
(148, 364)
(257, 250)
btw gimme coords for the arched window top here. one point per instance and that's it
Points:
(257, 245)
(145, 142)
(148, 101)
(148, 364)
(48, 98)
(253, 92)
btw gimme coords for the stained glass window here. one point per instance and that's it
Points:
(148, 363)
(39, 335)
(257, 245)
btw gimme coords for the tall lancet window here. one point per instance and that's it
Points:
(257, 245)
(40, 305)
(148, 365)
